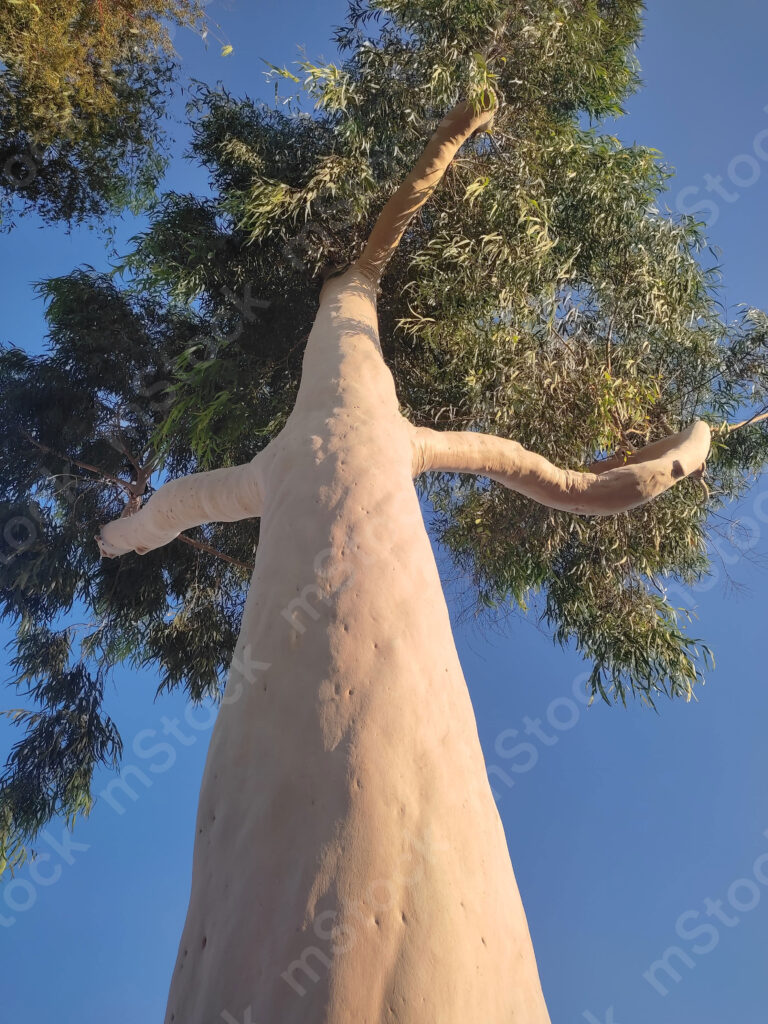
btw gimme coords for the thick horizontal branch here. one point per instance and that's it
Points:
(618, 486)
(453, 131)
(222, 495)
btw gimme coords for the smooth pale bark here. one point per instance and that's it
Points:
(457, 126)
(617, 487)
(345, 786)
(350, 865)
(222, 495)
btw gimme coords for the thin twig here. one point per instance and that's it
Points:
(81, 465)
(757, 418)
(608, 345)
(135, 492)
(556, 334)
(123, 447)
(212, 551)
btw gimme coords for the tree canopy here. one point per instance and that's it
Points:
(83, 85)
(543, 294)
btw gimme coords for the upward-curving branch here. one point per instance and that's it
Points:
(459, 125)
(617, 487)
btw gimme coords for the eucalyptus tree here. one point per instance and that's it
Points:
(83, 87)
(496, 308)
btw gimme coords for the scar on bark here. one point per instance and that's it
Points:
(615, 485)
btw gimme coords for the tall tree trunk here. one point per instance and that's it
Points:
(350, 865)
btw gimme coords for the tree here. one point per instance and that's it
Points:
(83, 87)
(511, 288)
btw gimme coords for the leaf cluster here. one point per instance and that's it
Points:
(83, 88)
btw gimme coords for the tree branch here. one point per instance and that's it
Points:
(222, 495)
(757, 418)
(201, 546)
(126, 486)
(619, 486)
(451, 134)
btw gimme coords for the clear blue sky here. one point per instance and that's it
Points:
(622, 825)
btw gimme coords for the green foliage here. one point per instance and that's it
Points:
(80, 419)
(543, 294)
(83, 86)
(50, 770)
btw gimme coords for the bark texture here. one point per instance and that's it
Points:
(453, 131)
(350, 866)
(609, 487)
(223, 495)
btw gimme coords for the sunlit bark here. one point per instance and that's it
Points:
(618, 486)
(350, 864)
(223, 495)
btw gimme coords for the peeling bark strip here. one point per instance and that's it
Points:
(359, 733)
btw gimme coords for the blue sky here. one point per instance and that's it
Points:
(630, 832)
